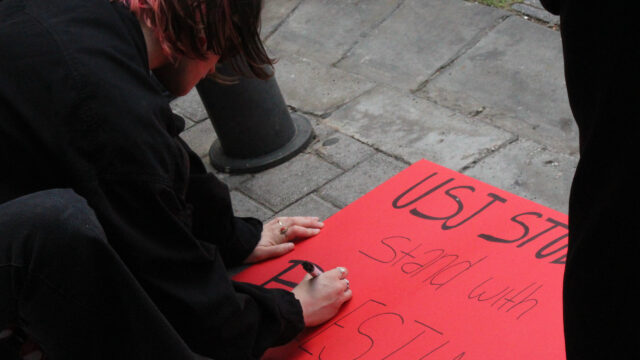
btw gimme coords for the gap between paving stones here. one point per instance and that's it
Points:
(468, 46)
(334, 163)
(328, 114)
(486, 154)
(355, 43)
(275, 28)
(523, 14)
(514, 137)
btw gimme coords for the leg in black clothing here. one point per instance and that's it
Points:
(602, 56)
(63, 284)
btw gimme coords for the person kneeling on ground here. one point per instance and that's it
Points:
(79, 110)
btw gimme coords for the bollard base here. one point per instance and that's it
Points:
(299, 141)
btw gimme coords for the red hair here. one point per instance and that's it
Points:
(230, 29)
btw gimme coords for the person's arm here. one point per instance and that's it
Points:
(147, 223)
(240, 239)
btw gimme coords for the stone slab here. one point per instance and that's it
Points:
(314, 88)
(530, 170)
(200, 137)
(324, 30)
(243, 206)
(190, 106)
(360, 180)
(515, 75)
(188, 123)
(536, 13)
(343, 151)
(233, 181)
(285, 184)
(273, 13)
(321, 132)
(310, 205)
(412, 128)
(534, 3)
(404, 51)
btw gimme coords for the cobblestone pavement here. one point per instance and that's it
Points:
(477, 89)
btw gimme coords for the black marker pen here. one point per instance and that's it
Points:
(311, 269)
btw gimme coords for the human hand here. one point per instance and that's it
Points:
(321, 297)
(278, 233)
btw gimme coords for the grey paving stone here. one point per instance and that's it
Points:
(188, 123)
(274, 12)
(315, 88)
(283, 185)
(190, 106)
(200, 137)
(535, 3)
(405, 50)
(360, 180)
(516, 75)
(310, 205)
(324, 30)
(530, 170)
(342, 150)
(322, 132)
(413, 128)
(244, 206)
(537, 13)
(233, 181)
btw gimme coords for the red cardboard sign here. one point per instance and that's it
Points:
(442, 266)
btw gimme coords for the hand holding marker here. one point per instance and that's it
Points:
(315, 272)
(321, 294)
(311, 269)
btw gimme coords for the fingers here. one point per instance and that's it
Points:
(266, 252)
(290, 228)
(339, 273)
(346, 284)
(277, 250)
(304, 221)
(347, 295)
(301, 232)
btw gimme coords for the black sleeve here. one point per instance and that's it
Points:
(187, 278)
(212, 214)
(177, 233)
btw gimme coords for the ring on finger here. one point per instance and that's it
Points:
(283, 228)
(342, 272)
(347, 281)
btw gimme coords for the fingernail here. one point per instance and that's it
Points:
(5, 333)
(315, 231)
(34, 355)
(291, 245)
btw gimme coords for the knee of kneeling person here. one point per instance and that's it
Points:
(73, 221)
(60, 217)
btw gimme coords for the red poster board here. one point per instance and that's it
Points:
(442, 266)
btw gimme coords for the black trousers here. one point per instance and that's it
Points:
(602, 59)
(63, 284)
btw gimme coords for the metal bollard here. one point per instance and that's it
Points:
(255, 130)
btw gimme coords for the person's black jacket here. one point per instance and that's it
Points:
(78, 110)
